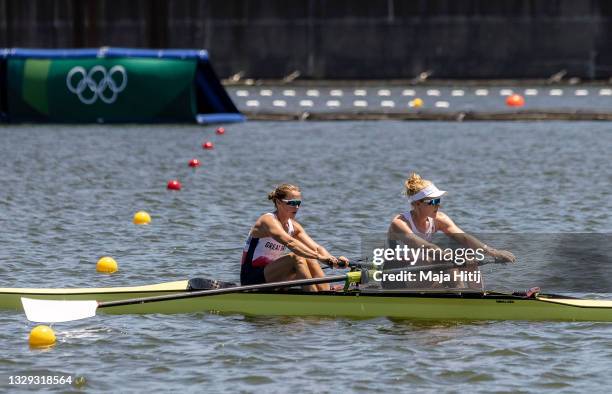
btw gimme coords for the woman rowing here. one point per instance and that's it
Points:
(417, 226)
(265, 257)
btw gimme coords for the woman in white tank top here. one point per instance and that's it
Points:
(279, 249)
(416, 227)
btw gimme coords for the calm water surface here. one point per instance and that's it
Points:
(69, 192)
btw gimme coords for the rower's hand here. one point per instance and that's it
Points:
(343, 262)
(503, 256)
(335, 262)
(329, 260)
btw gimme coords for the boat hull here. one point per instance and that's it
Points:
(355, 305)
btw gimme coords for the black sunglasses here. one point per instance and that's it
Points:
(433, 201)
(293, 203)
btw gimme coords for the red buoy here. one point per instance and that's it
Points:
(174, 185)
(194, 163)
(515, 100)
(220, 131)
(207, 145)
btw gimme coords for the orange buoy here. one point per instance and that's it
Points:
(194, 163)
(515, 100)
(220, 131)
(207, 145)
(174, 185)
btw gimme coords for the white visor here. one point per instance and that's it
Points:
(430, 191)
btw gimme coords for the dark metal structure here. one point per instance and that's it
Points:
(337, 38)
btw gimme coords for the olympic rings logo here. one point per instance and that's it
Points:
(97, 83)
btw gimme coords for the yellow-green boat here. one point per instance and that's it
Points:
(174, 297)
(406, 305)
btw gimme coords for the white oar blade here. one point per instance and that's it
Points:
(51, 311)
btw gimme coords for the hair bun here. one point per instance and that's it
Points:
(415, 183)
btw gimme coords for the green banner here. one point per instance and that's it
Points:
(102, 89)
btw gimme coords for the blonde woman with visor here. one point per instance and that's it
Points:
(279, 249)
(417, 226)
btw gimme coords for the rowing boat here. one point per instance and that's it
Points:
(10, 298)
(354, 303)
(403, 305)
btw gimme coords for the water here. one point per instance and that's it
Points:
(69, 194)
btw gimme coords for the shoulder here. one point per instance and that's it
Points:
(264, 223)
(266, 218)
(399, 222)
(443, 221)
(441, 216)
(398, 218)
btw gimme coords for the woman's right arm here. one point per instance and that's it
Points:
(400, 231)
(268, 226)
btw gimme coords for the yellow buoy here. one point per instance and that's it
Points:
(141, 217)
(42, 336)
(107, 265)
(416, 103)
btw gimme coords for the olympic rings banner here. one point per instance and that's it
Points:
(120, 86)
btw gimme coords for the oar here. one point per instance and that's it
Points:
(54, 311)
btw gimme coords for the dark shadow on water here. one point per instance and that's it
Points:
(411, 325)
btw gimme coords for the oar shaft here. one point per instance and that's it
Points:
(228, 290)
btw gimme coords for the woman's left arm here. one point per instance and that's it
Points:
(448, 227)
(301, 235)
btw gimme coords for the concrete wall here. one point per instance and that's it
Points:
(337, 38)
